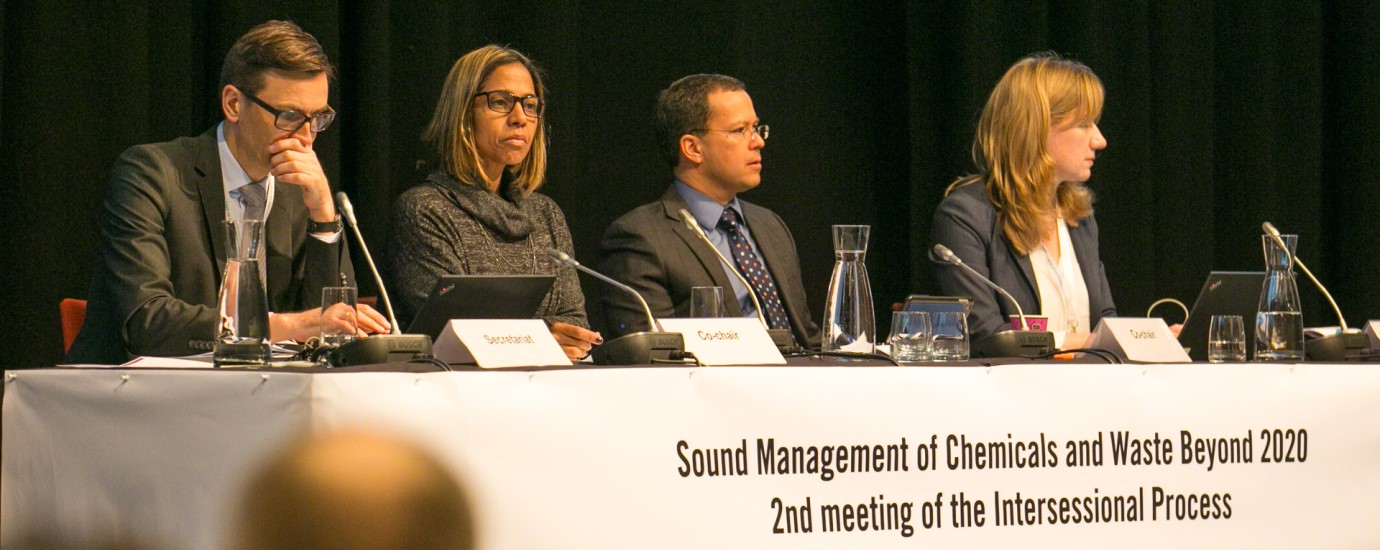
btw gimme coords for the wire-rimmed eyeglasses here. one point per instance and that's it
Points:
(746, 132)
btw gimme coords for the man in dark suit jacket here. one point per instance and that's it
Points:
(710, 135)
(163, 236)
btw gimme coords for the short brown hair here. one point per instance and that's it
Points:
(451, 130)
(683, 107)
(274, 45)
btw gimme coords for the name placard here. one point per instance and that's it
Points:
(499, 343)
(1373, 332)
(727, 340)
(1139, 340)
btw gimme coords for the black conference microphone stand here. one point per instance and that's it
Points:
(780, 337)
(638, 348)
(1007, 343)
(379, 348)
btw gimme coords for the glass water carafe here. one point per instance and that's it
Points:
(849, 323)
(242, 328)
(1279, 321)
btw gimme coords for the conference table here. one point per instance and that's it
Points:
(822, 453)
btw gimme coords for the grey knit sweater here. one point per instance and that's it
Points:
(444, 227)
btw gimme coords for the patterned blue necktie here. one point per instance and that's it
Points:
(752, 268)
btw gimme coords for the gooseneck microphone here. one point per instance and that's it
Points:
(1007, 343)
(638, 348)
(570, 262)
(394, 347)
(695, 226)
(949, 256)
(349, 214)
(780, 337)
(1343, 346)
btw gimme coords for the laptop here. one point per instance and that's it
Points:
(1224, 293)
(480, 297)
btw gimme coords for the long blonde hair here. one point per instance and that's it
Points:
(451, 130)
(1010, 146)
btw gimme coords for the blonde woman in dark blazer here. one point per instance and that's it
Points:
(1025, 218)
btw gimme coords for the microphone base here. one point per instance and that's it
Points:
(380, 348)
(1341, 347)
(640, 348)
(1015, 343)
(782, 339)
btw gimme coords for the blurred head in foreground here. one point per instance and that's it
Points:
(353, 490)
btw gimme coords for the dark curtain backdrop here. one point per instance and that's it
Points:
(1219, 116)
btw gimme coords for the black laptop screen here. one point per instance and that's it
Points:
(1224, 293)
(480, 297)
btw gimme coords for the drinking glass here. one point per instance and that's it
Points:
(338, 315)
(706, 301)
(1226, 339)
(949, 336)
(910, 335)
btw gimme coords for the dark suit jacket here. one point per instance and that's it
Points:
(161, 254)
(967, 223)
(651, 250)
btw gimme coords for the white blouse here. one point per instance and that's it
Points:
(1063, 292)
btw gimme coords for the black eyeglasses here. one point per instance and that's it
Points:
(503, 102)
(290, 120)
(746, 132)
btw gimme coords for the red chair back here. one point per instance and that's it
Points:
(73, 314)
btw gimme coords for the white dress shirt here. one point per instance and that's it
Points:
(1063, 292)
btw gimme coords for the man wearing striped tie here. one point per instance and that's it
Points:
(162, 233)
(709, 133)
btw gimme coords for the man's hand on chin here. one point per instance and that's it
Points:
(295, 163)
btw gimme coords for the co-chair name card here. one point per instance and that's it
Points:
(499, 343)
(726, 340)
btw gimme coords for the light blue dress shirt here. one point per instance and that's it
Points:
(707, 212)
(234, 177)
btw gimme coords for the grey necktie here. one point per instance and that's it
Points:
(253, 197)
